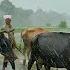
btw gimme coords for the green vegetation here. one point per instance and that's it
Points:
(63, 24)
(18, 30)
(25, 18)
(47, 28)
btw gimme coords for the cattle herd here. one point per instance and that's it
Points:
(51, 49)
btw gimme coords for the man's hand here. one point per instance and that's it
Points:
(11, 30)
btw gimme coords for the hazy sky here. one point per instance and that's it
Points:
(57, 5)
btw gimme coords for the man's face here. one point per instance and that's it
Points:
(7, 21)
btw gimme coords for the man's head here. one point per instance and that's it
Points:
(7, 19)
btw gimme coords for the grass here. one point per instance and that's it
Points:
(48, 28)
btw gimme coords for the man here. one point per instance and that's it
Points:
(9, 30)
(9, 33)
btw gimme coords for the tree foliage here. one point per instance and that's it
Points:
(7, 7)
(63, 24)
(19, 15)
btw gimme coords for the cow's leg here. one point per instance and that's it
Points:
(28, 52)
(46, 64)
(5, 63)
(67, 63)
(31, 61)
(37, 65)
(12, 64)
(68, 66)
(25, 54)
(47, 67)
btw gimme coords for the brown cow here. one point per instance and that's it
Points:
(27, 35)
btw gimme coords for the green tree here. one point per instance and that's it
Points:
(62, 24)
(20, 17)
(7, 7)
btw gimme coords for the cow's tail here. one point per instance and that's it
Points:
(21, 36)
(21, 44)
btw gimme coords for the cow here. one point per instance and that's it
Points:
(53, 48)
(6, 51)
(27, 35)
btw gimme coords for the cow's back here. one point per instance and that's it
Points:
(53, 41)
(32, 32)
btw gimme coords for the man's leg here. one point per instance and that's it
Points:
(5, 63)
(12, 64)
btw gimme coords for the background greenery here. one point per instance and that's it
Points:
(22, 18)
